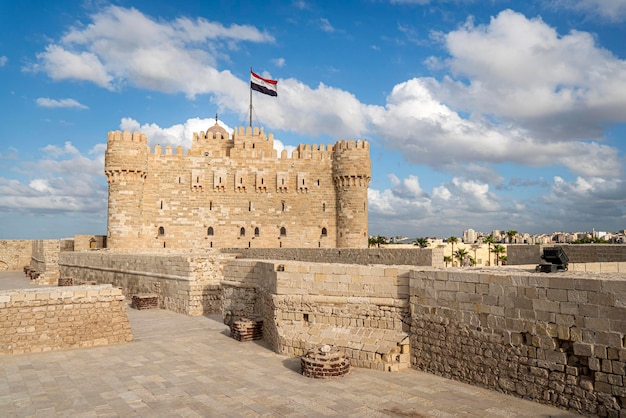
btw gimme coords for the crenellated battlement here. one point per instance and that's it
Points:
(351, 144)
(127, 136)
(233, 189)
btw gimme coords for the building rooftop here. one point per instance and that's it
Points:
(189, 366)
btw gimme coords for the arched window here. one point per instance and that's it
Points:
(283, 205)
(323, 207)
(256, 232)
(161, 230)
(210, 231)
(242, 232)
(283, 231)
(324, 232)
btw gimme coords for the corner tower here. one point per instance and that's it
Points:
(351, 175)
(125, 165)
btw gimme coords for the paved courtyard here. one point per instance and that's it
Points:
(189, 366)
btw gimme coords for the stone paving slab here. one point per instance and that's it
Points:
(190, 367)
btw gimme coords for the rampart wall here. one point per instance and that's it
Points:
(552, 338)
(362, 256)
(604, 258)
(184, 283)
(35, 320)
(14, 254)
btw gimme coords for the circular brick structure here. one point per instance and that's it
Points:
(325, 362)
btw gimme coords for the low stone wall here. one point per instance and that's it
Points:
(184, 283)
(553, 338)
(35, 320)
(577, 253)
(304, 305)
(15, 254)
(363, 256)
(45, 260)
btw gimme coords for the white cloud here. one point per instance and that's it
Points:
(61, 64)
(63, 181)
(522, 70)
(407, 209)
(125, 46)
(325, 25)
(53, 103)
(612, 10)
(279, 62)
(54, 151)
(3, 60)
(455, 205)
(428, 132)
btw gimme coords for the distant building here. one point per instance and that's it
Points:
(469, 236)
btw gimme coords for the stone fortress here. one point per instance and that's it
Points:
(234, 191)
(553, 338)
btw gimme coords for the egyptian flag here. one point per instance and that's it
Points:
(263, 85)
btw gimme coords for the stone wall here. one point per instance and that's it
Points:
(363, 256)
(553, 338)
(185, 283)
(361, 309)
(577, 253)
(235, 191)
(15, 254)
(45, 260)
(35, 320)
(89, 242)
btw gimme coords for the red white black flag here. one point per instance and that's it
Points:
(263, 85)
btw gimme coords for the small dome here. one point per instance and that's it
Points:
(216, 131)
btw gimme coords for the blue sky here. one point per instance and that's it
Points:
(481, 114)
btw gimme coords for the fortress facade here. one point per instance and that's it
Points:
(236, 192)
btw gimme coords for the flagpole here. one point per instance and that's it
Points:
(250, 100)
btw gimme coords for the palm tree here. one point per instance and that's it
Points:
(497, 250)
(371, 241)
(475, 247)
(422, 242)
(453, 240)
(511, 234)
(489, 240)
(447, 259)
(460, 255)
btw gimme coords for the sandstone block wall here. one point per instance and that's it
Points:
(185, 283)
(234, 191)
(362, 256)
(554, 338)
(15, 254)
(35, 320)
(577, 253)
(45, 260)
(304, 305)
(89, 242)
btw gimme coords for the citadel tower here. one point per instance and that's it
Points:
(126, 164)
(234, 191)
